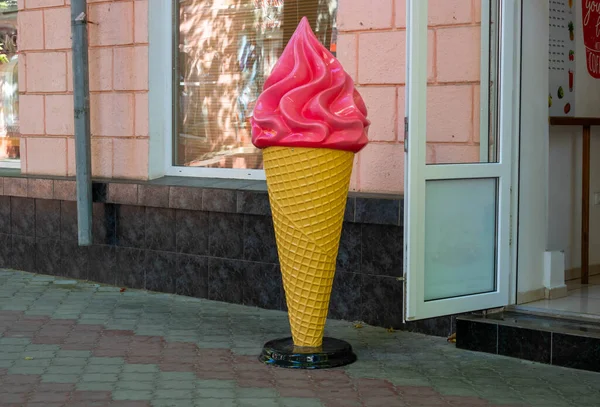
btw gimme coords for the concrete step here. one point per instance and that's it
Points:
(561, 340)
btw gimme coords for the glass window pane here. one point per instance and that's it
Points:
(227, 48)
(462, 82)
(460, 237)
(9, 91)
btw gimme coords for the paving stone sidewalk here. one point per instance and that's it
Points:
(67, 343)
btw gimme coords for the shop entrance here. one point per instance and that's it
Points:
(571, 265)
(553, 318)
(572, 262)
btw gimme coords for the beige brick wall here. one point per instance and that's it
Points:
(118, 53)
(371, 46)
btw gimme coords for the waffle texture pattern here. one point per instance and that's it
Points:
(308, 188)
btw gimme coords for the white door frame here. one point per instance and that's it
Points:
(417, 172)
(533, 169)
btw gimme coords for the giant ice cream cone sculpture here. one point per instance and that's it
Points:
(310, 121)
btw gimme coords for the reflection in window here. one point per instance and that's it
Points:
(227, 48)
(9, 91)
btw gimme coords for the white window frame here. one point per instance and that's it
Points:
(160, 102)
(14, 164)
(11, 165)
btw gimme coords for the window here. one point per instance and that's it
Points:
(224, 51)
(9, 91)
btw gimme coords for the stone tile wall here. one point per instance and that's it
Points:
(209, 240)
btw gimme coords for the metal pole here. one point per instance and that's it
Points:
(81, 99)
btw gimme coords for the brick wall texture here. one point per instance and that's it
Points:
(118, 55)
(371, 46)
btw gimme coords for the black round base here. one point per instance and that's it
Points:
(283, 353)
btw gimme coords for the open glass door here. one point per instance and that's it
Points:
(460, 98)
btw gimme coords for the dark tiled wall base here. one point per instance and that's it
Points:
(228, 257)
(199, 194)
(554, 348)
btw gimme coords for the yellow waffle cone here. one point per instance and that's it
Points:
(308, 188)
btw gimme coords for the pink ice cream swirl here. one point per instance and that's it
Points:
(309, 100)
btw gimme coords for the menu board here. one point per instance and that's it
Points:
(591, 36)
(561, 58)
